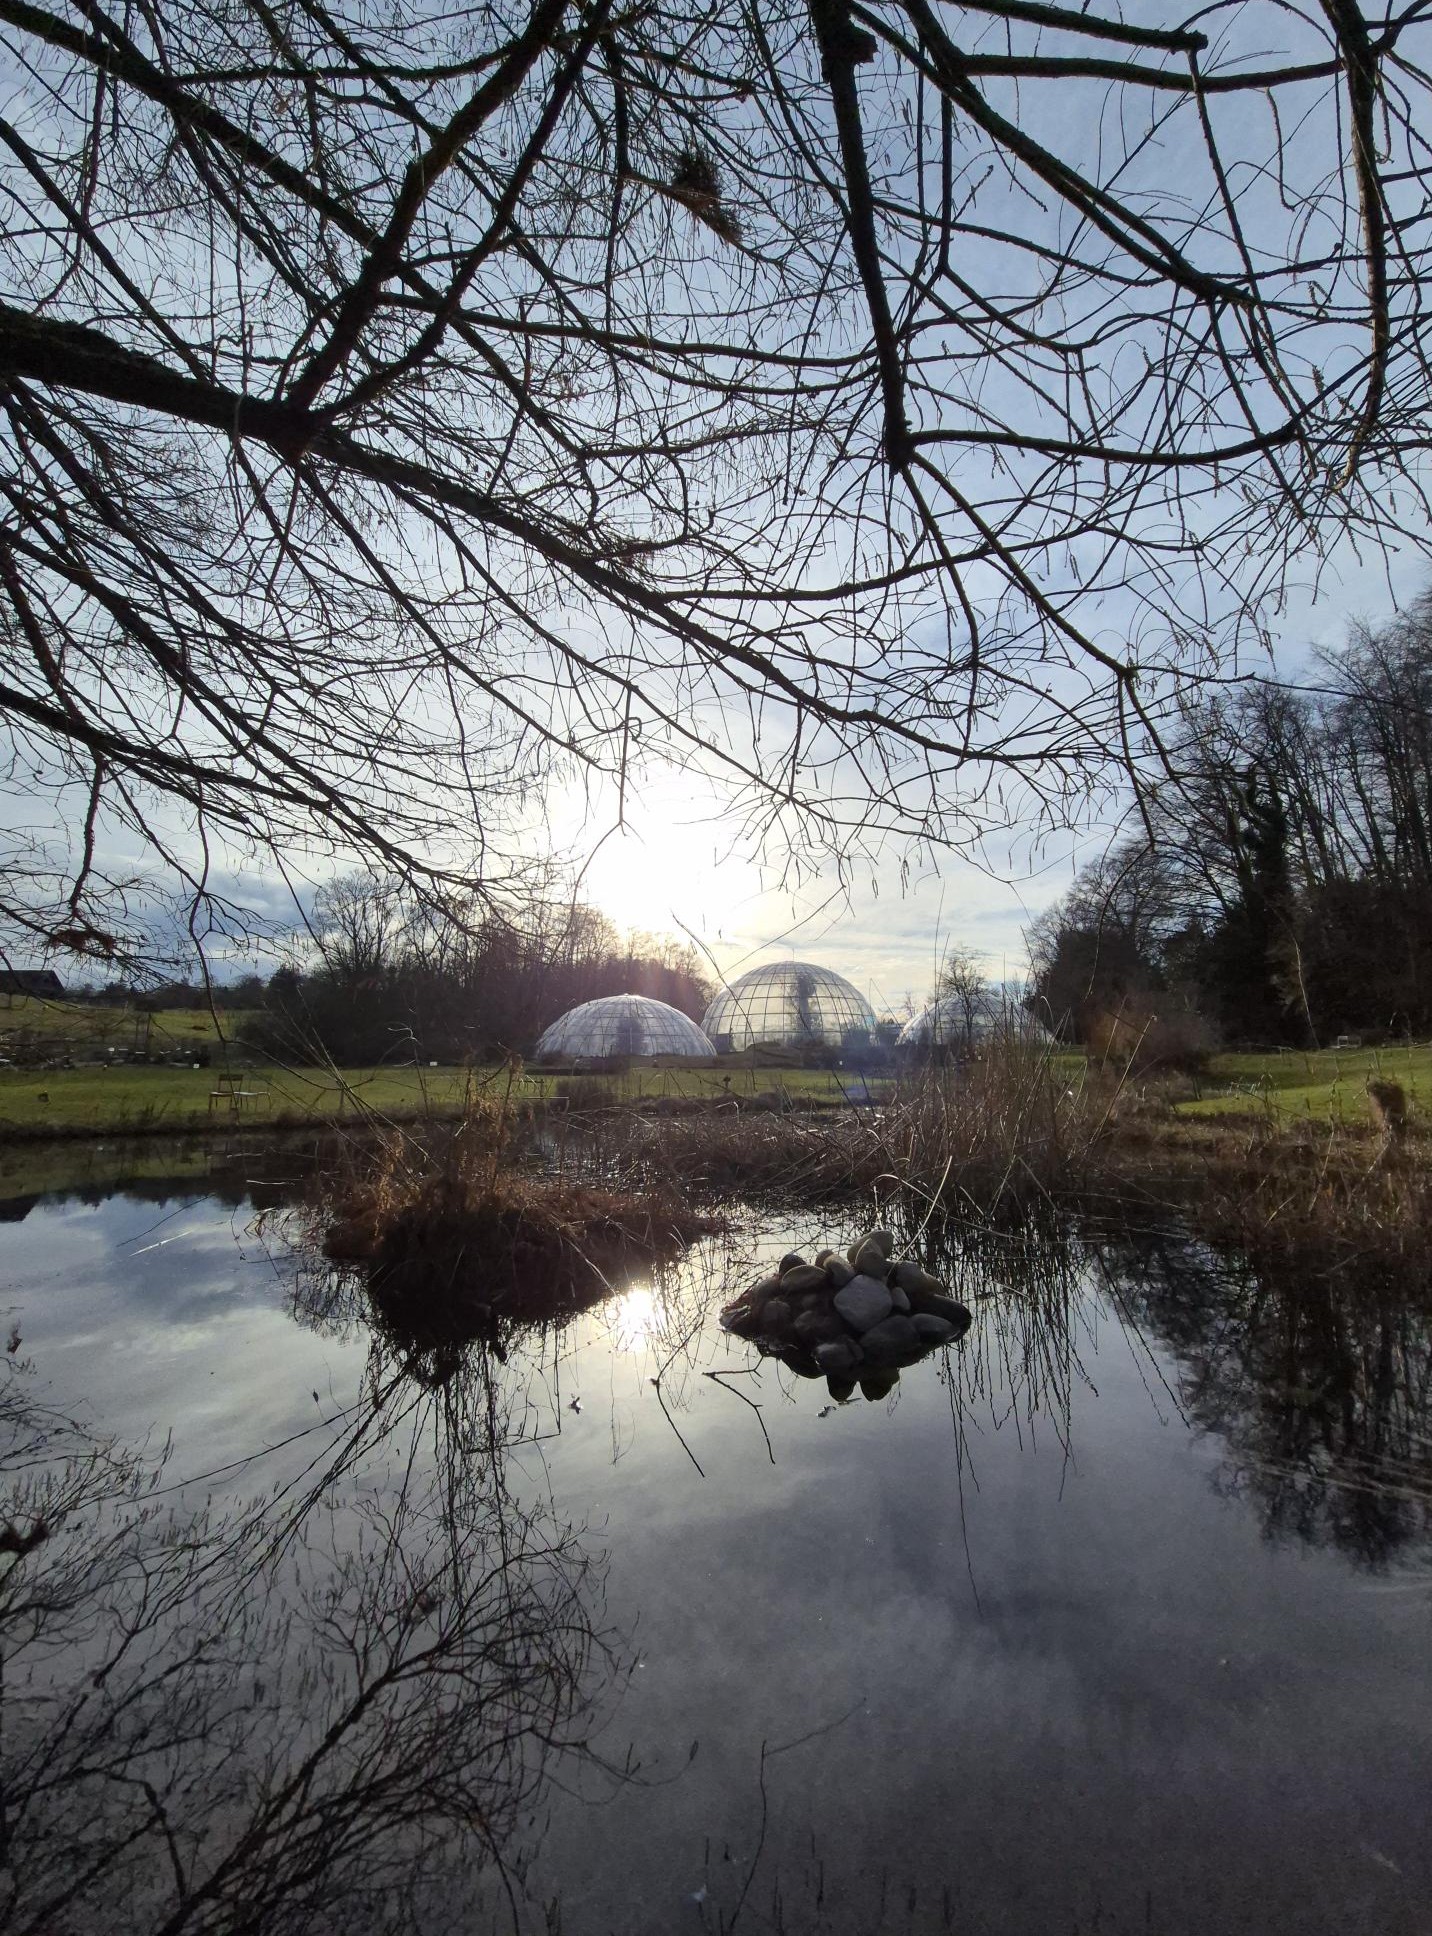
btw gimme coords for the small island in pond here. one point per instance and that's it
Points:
(855, 1319)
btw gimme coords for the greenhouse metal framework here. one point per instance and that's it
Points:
(622, 1025)
(789, 1004)
(958, 1021)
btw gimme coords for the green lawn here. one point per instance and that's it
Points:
(77, 1028)
(136, 1096)
(1329, 1085)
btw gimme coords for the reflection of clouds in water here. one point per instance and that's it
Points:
(1118, 1616)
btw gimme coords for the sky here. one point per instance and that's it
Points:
(677, 869)
(679, 866)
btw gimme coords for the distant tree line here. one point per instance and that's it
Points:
(1282, 889)
(389, 979)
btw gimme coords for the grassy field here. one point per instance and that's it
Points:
(136, 1097)
(1329, 1086)
(132, 1097)
(74, 1028)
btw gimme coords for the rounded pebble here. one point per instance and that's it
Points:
(894, 1341)
(803, 1277)
(863, 1302)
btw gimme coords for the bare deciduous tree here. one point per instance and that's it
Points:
(875, 401)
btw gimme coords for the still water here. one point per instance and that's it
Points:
(1115, 1617)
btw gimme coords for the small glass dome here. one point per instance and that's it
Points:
(622, 1025)
(960, 1021)
(791, 1004)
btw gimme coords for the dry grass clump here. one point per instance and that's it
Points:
(457, 1238)
(997, 1132)
(1338, 1203)
(1387, 1103)
(1011, 1126)
(799, 1158)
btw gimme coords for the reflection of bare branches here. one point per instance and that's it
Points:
(1321, 1387)
(304, 1715)
(744, 1371)
(684, 1306)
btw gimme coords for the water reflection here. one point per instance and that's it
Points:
(320, 1712)
(1008, 1651)
(1320, 1390)
(633, 1317)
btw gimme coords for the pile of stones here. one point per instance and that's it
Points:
(856, 1318)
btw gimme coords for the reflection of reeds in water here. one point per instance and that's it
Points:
(1020, 1364)
(299, 1715)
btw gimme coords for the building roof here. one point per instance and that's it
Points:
(789, 1003)
(623, 1025)
(41, 982)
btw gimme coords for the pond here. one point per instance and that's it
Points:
(1114, 1617)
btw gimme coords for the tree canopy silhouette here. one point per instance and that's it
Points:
(875, 402)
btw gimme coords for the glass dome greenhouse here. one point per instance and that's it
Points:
(959, 1021)
(622, 1025)
(790, 1004)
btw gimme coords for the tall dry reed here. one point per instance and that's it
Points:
(1014, 1124)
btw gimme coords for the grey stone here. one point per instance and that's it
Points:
(910, 1277)
(803, 1277)
(840, 1389)
(800, 1301)
(940, 1307)
(790, 1261)
(761, 1294)
(871, 1261)
(893, 1342)
(933, 1330)
(898, 1297)
(776, 1318)
(814, 1328)
(838, 1272)
(864, 1301)
(883, 1240)
(878, 1384)
(839, 1357)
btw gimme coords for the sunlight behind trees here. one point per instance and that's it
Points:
(874, 407)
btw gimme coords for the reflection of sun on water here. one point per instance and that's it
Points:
(633, 1319)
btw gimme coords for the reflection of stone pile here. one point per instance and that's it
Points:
(861, 1316)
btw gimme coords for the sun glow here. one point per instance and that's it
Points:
(633, 1318)
(670, 870)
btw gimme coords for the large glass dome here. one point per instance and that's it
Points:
(623, 1025)
(789, 1003)
(962, 1021)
